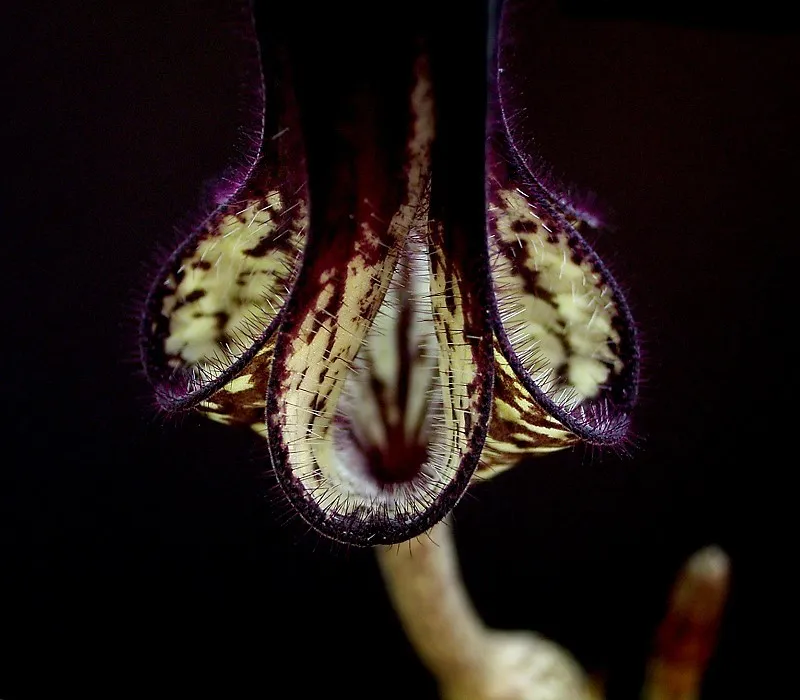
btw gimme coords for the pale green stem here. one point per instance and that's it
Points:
(425, 586)
(469, 660)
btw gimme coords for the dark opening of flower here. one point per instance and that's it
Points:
(394, 298)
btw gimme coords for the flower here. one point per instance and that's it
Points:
(393, 297)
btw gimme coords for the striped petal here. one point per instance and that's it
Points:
(379, 395)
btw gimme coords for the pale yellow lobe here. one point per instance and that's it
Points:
(259, 429)
(232, 284)
(572, 324)
(506, 412)
(242, 383)
(193, 338)
(586, 374)
(218, 418)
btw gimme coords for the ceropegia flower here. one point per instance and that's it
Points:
(393, 298)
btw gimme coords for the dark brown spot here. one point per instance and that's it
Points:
(195, 295)
(449, 297)
(397, 464)
(520, 226)
(262, 248)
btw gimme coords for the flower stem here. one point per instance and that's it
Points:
(469, 660)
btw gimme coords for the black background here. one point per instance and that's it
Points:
(139, 553)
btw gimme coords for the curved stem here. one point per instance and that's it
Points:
(469, 660)
(426, 589)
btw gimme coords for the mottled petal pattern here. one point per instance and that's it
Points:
(214, 303)
(392, 299)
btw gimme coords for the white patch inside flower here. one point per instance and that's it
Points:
(398, 434)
